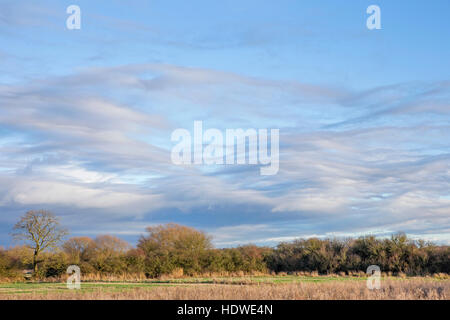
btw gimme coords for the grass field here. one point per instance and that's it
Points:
(262, 287)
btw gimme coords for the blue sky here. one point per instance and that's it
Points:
(364, 115)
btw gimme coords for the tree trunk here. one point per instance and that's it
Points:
(35, 261)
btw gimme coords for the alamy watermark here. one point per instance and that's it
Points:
(374, 20)
(229, 148)
(374, 279)
(74, 280)
(73, 22)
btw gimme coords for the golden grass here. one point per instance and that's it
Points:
(391, 289)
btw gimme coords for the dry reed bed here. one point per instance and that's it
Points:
(409, 289)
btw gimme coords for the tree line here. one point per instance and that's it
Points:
(172, 249)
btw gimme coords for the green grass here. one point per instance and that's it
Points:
(45, 287)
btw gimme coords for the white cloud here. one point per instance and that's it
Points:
(99, 140)
(41, 193)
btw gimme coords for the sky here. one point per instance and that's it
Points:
(86, 116)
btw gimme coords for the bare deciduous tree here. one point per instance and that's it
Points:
(39, 230)
(79, 249)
